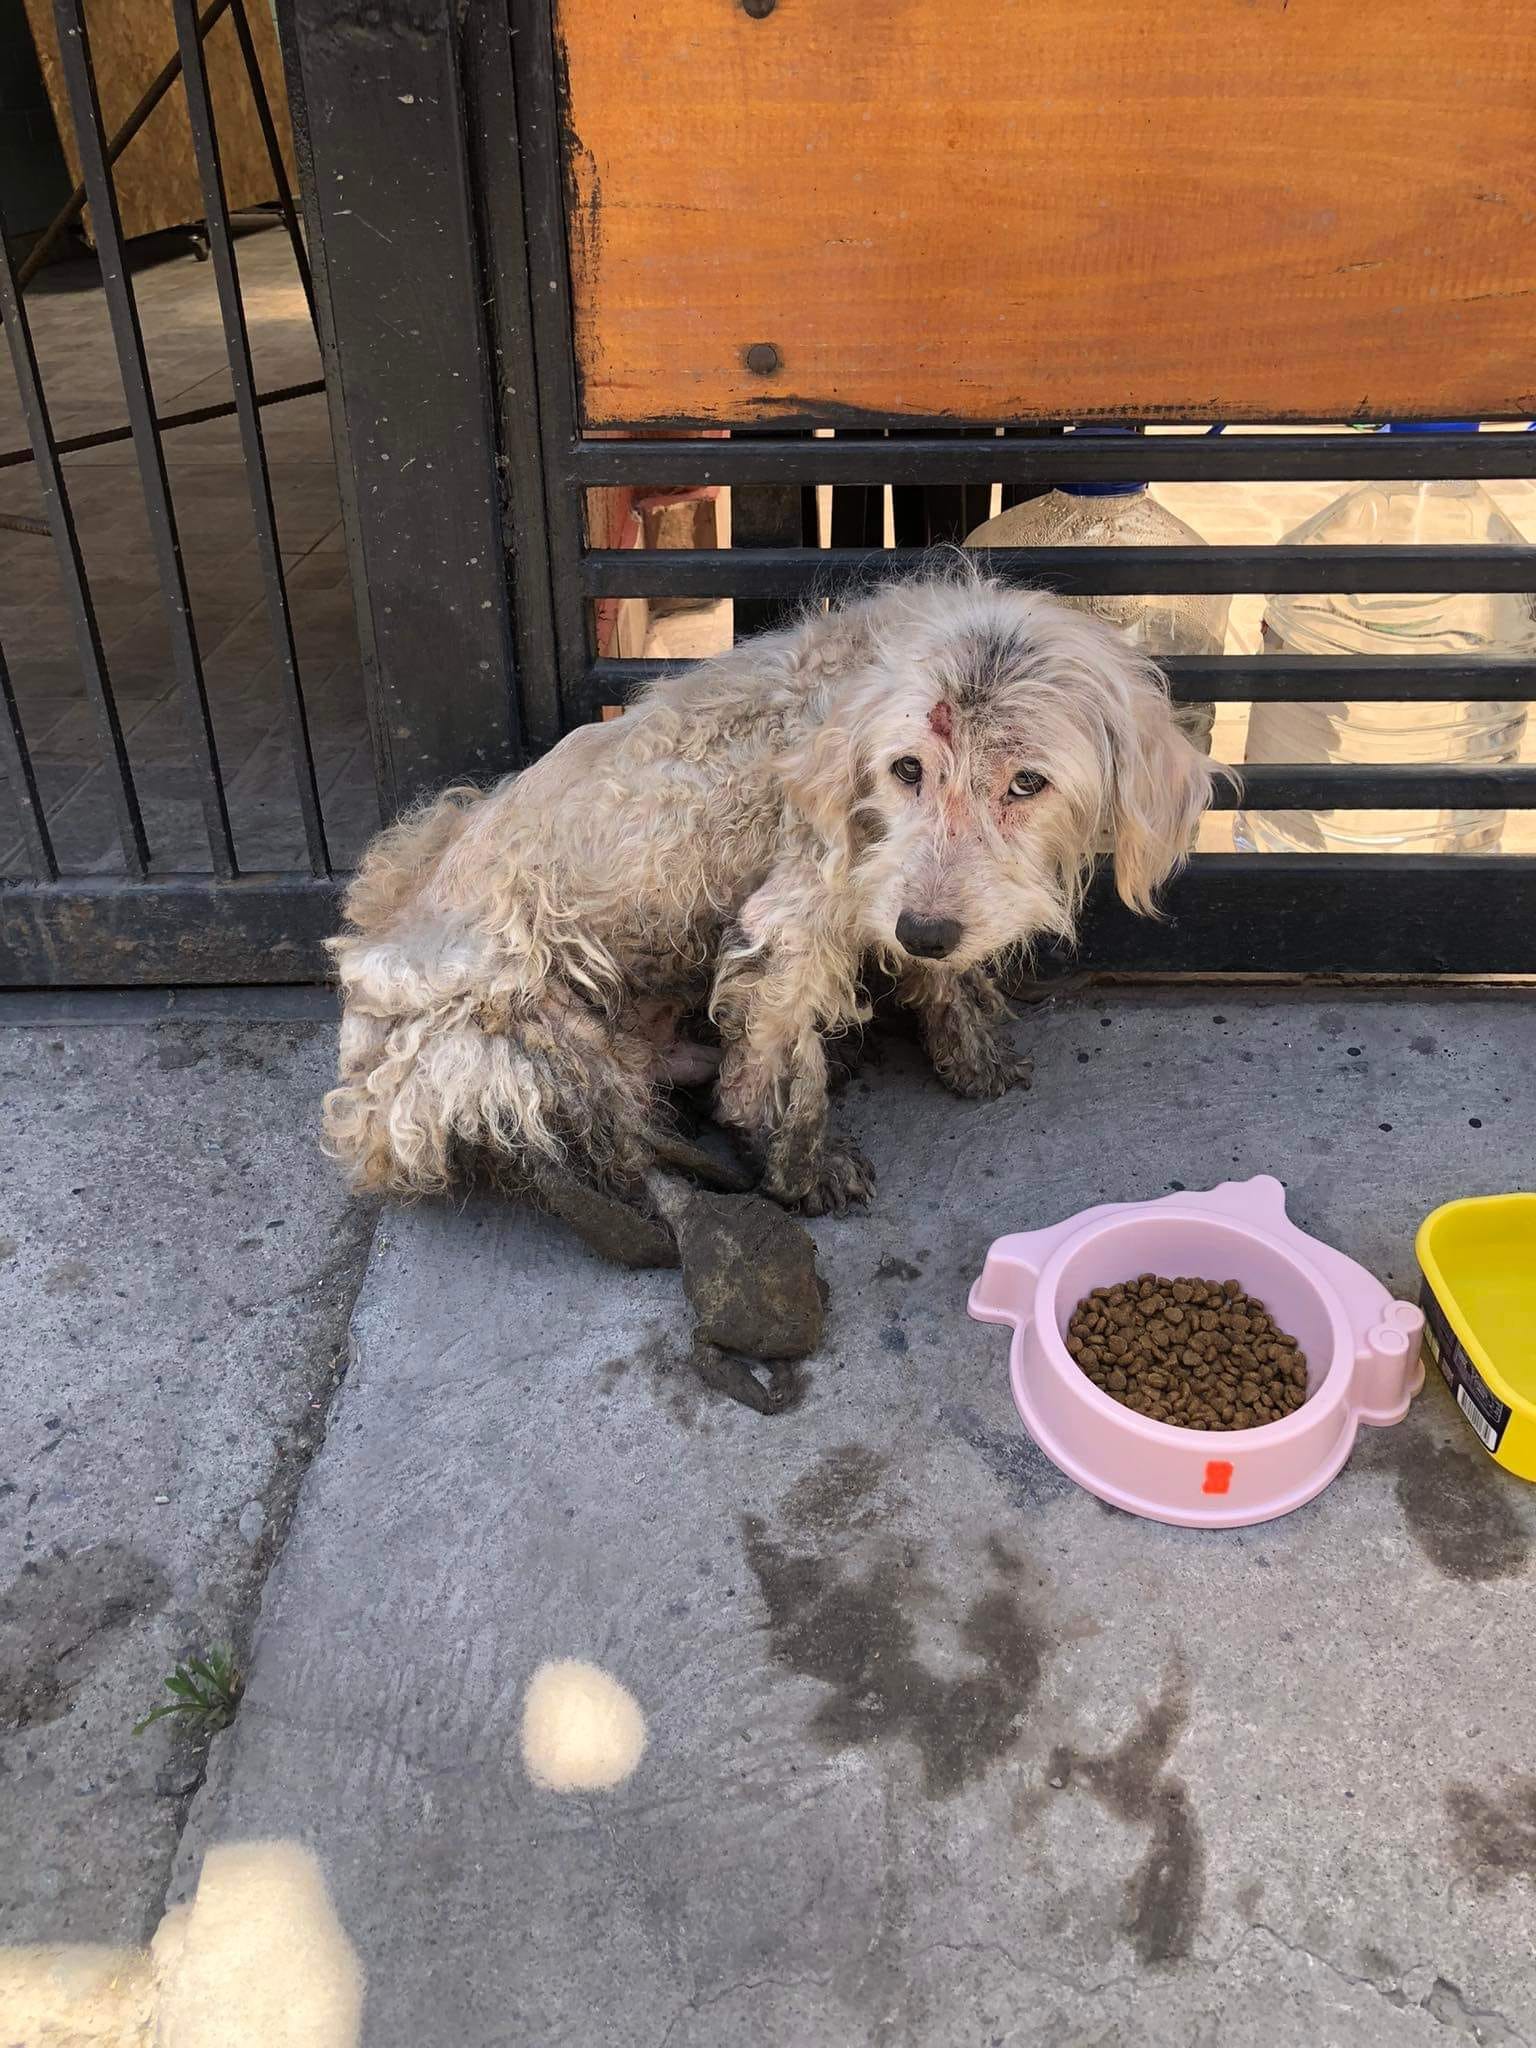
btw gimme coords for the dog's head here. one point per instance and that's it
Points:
(976, 747)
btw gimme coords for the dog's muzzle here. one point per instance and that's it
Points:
(928, 938)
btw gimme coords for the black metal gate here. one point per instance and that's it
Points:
(1229, 913)
(430, 143)
(180, 794)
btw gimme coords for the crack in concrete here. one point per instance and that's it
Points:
(1444, 2002)
(692, 2007)
(1130, 1979)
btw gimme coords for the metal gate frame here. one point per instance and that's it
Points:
(1287, 914)
(429, 138)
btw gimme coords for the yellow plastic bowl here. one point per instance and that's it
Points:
(1478, 1258)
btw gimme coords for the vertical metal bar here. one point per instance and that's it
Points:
(535, 77)
(858, 510)
(330, 363)
(496, 160)
(77, 596)
(940, 515)
(269, 136)
(766, 516)
(133, 366)
(397, 268)
(17, 763)
(237, 344)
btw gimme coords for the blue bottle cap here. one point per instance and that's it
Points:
(1125, 430)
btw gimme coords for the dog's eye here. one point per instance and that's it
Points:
(908, 769)
(1026, 783)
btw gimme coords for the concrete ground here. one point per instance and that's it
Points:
(177, 1266)
(932, 1747)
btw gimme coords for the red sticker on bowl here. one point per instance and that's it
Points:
(1218, 1475)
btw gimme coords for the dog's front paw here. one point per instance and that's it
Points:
(843, 1180)
(982, 1069)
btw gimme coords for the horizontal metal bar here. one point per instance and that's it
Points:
(167, 422)
(1348, 914)
(1305, 785)
(1273, 914)
(179, 930)
(1333, 679)
(1354, 786)
(1236, 679)
(1067, 458)
(1077, 572)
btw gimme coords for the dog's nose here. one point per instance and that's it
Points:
(928, 938)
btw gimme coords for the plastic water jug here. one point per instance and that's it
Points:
(1465, 623)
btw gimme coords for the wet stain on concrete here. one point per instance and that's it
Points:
(856, 1636)
(1010, 1456)
(894, 1338)
(1249, 1898)
(248, 1049)
(57, 1619)
(70, 1276)
(1460, 1509)
(1493, 1834)
(668, 1372)
(1167, 1890)
(1375, 1962)
(838, 1493)
(1424, 1045)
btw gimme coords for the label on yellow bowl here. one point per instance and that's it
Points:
(1488, 1415)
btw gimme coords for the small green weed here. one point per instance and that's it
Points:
(206, 1690)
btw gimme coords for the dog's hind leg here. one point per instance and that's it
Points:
(552, 1084)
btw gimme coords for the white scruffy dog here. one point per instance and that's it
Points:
(919, 778)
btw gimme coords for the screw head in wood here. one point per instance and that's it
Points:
(762, 359)
(758, 9)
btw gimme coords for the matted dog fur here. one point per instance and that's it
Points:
(917, 778)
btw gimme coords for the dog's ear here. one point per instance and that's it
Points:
(823, 769)
(822, 776)
(1160, 784)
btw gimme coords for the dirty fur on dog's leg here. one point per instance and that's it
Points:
(719, 1370)
(617, 1231)
(773, 1075)
(804, 1165)
(961, 1018)
(777, 1094)
(769, 1391)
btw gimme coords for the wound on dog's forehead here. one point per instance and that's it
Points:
(942, 720)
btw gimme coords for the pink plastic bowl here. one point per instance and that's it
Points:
(1362, 1349)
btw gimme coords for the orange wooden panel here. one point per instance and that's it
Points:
(974, 209)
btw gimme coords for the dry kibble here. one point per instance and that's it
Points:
(1198, 1353)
